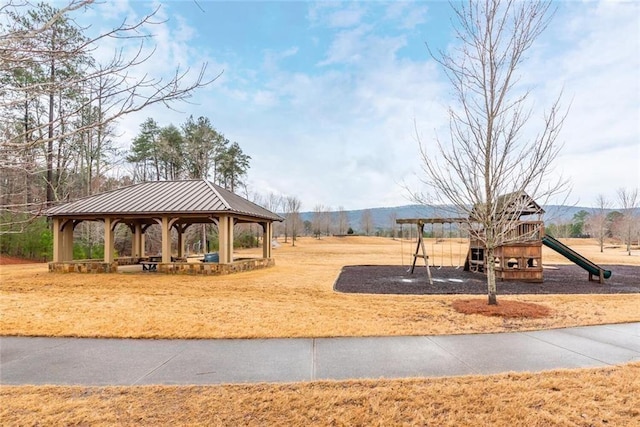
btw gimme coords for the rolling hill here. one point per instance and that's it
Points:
(382, 217)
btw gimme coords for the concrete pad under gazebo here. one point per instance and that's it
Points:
(170, 204)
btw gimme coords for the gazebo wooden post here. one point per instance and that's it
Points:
(166, 240)
(108, 240)
(225, 235)
(137, 249)
(180, 242)
(181, 228)
(67, 239)
(223, 239)
(267, 235)
(57, 240)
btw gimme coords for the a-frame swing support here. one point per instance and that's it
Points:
(420, 222)
(423, 255)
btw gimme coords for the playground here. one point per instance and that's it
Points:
(440, 265)
(560, 279)
(518, 236)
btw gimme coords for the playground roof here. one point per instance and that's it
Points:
(189, 197)
(519, 203)
(516, 205)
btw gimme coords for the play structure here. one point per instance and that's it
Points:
(520, 258)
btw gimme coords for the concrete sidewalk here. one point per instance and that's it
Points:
(84, 361)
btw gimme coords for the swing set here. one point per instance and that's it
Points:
(436, 239)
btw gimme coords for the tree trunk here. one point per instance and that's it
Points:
(490, 268)
(50, 141)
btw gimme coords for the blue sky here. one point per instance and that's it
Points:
(326, 96)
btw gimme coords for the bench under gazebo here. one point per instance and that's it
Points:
(170, 204)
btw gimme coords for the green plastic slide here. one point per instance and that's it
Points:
(575, 257)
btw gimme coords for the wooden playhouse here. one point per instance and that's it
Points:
(520, 258)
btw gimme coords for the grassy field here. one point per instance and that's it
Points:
(293, 299)
(588, 397)
(296, 299)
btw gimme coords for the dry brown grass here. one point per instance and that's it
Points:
(588, 397)
(293, 299)
(296, 299)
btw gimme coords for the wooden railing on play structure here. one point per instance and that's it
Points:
(520, 232)
(526, 231)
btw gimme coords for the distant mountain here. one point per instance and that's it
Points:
(382, 216)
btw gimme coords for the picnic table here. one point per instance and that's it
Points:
(151, 264)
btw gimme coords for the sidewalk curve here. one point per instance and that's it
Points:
(88, 361)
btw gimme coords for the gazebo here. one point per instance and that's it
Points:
(172, 205)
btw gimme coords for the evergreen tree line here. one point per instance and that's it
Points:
(193, 151)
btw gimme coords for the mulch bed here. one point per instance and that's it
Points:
(562, 279)
(505, 309)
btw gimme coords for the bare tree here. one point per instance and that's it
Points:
(317, 221)
(629, 202)
(366, 222)
(343, 221)
(598, 220)
(274, 203)
(292, 217)
(51, 77)
(492, 157)
(559, 230)
(393, 216)
(327, 223)
(125, 92)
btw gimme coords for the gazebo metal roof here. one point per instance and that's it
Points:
(189, 197)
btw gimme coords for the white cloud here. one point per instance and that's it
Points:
(346, 139)
(264, 98)
(346, 18)
(598, 68)
(409, 14)
(347, 47)
(341, 133)
(272, 58)
(111, 10)
(333, 14)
